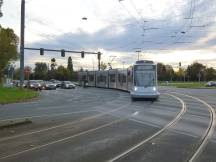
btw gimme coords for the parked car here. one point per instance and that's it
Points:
(35, 84)
(49, 85)
(17, 83)
(68, 85)
(211, 84)
(56, 82)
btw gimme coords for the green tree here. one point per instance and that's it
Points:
(195, 71)
(70, 69)
(40, 70)
(8, 48)
(103, 66)
(53, 64)
(62, 73)
(210, 74)
(70, 64)
(180, 74)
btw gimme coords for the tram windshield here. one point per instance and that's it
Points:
(144, 76)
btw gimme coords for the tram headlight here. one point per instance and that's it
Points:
(135, 88)
(154, 88)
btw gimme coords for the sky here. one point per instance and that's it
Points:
(167, 31)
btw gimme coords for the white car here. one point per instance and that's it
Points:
(211, 84)
(68, 85)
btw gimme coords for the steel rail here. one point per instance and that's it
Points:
(65, 124)
(69, 137)
(209, 131)
(170, 124)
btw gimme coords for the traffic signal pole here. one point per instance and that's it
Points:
(22, 42)
(69, 51)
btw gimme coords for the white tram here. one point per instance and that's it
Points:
(144, 80)
(140, 79)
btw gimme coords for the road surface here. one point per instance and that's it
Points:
(96, 125)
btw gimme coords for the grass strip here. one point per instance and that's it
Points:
(12, 95)
(192, 85)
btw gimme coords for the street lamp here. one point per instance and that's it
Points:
(138, 56)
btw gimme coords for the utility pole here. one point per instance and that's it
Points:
(22, 42)
(1, 2)
(99, 61)
(138, 52)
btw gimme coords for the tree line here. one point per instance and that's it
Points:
(194, 72)
(44, 71)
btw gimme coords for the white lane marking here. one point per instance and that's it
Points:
(67, 138)
(65, 124)
(145, 123)
(136, 113)
(209, 131)
(52, 115)
(174, 121)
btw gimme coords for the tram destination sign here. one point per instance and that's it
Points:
(144, 67)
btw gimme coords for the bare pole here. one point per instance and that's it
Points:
(22, 42)
(1, 2)
(99, 61)
(138, 52)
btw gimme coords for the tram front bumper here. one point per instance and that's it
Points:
(135, 94)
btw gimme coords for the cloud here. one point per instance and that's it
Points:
(115, 28)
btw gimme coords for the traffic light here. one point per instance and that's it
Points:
(99, 55)
(82, 54)
(179, 64)
(62, 53)
(41, 51)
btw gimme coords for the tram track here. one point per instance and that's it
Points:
(65, 124)
(69, 137)
(209, 131)
(170, 124)
(199, 146)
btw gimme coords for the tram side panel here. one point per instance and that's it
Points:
(102, 79)
(122, 80)
(112, 78)
(82, 77)
(91, 79)
(129, 79)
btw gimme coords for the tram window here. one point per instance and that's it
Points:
(101, 78)
(98, 79)
(124, 78)
(104, 79)
(144, 78)
(119, 78)
(91, 78)
(83, 77)
(112, 77)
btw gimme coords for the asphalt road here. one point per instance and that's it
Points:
(96, 125)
